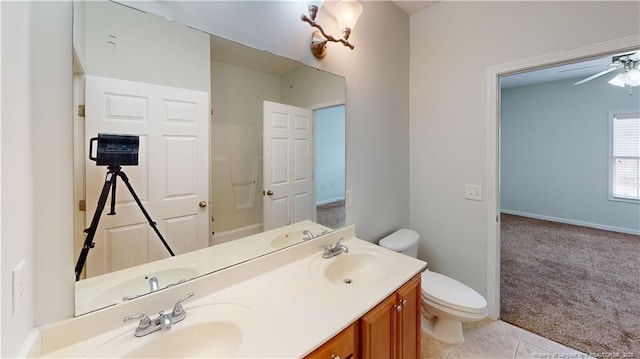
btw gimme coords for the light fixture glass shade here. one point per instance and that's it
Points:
(347, 13)
(633, 77)
(619, 80)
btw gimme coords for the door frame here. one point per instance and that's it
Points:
(493, 141)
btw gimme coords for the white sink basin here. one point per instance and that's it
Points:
(208, 331)
(360, 266)
(107, 290)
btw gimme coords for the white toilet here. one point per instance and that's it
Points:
(448, 301)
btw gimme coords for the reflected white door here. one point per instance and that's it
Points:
(288, 165)
(171, 178)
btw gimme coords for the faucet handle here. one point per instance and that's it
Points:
(145, 321)
(177, 308)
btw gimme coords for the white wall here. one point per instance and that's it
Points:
(452, 45)
(377, 127)
(17, 171)
(237, 96)
(36, 194)
(309, 87)
(134, 46)
(555, 153)
(52, 145)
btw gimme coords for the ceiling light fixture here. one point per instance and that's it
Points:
(629, 76)
(346, 13)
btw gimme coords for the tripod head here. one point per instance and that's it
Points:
(115, 150)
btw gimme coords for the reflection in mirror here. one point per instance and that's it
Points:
(197, 103)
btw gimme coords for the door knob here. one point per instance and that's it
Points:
(202, 204)
(269, 193)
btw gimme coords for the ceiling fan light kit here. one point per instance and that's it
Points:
(629, 75)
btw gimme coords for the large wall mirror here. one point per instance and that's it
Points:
(213, 156)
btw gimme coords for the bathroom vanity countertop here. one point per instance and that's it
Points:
(98, 292)
(296, 310)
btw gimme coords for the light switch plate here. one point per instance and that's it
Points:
(473, 192)
(18, 278)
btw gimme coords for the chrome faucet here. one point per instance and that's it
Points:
(334, 250)
(307, 234)
(153, 284)
(162, 321)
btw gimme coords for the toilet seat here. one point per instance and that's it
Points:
(450, 293)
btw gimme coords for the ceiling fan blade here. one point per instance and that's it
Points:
(583, 68)
(613, 68)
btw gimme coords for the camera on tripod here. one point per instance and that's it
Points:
(115, 150)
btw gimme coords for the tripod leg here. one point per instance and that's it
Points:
(113, 196)
(91, 231)
(125, 179)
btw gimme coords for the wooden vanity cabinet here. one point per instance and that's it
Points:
(392, 329)
(342, 346)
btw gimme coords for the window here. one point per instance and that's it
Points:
(624, 160)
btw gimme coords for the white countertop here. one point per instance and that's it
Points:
(108, 289)
(295, 311)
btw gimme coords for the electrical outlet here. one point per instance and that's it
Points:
(473, 192)
(18, 287)
(347, 201)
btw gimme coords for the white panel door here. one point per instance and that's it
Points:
(288, 165)
(171, 178)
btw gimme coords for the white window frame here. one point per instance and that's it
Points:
(612, 116)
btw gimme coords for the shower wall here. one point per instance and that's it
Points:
(237, 95)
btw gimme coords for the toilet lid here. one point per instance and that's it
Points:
(451, 293)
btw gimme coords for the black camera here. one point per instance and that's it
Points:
(115, 150)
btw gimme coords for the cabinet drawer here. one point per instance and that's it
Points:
(342, 346)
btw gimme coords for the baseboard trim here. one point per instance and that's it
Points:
(320, 203)
(573, 222)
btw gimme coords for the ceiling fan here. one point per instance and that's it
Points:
(629, 75)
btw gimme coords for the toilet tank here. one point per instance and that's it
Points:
(403, 240)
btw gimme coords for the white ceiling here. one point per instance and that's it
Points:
(578, 71)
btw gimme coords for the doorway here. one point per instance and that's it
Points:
(330, 166)
(566, 264)
(494, 74)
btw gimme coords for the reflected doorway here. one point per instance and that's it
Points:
(330, 166)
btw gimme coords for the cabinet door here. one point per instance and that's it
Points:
(409, 296)
(378, 331)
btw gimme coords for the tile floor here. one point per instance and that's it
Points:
(497, 339)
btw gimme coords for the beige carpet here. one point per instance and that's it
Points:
(574, 285)
(331, 214)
